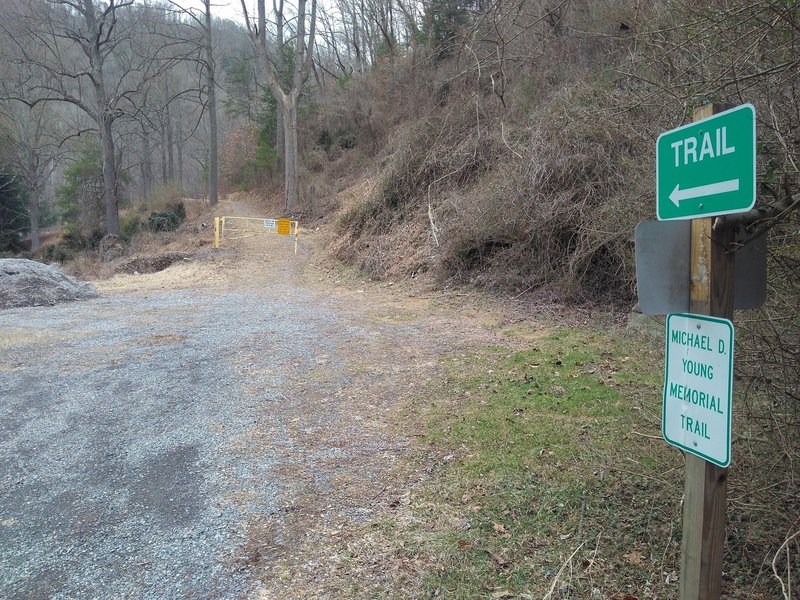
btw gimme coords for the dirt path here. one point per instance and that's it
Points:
(215, 430)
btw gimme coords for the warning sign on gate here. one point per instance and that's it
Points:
(284, 226)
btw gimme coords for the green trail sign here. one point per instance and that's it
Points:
(707, 168)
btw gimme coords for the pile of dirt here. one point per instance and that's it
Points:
(30, 283)
(151, 264)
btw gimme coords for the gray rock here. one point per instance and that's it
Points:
(30, 283)
(646, 324)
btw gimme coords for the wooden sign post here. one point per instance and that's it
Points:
(705, 494)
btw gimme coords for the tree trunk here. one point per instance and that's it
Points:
(104, 120)
(280, 64)
(212, 109)
(280, 138)
(367, 39)
(212, 146)
(147, 164)
(34, 180)
(179, 148)
(170, 149)
(164, 177)
(291, 177)
(110, 179)
(33, 215)
(357, 44)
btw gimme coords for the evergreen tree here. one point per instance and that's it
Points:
(14, 222)
(80, 198)
(443, 22)
(242, 89)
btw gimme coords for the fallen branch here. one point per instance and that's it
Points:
(549, 594)
(786, 589)
(773, 213)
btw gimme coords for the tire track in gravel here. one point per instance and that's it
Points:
(197, 433)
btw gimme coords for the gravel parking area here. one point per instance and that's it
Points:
(180, 441)
(119, 428)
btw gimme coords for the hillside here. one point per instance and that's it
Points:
(523, 155)
(513, 173)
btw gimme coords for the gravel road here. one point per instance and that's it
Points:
(160, 441)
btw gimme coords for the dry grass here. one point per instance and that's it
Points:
(542, 474)
(552, 204)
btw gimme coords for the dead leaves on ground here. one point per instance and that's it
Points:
(501, 561)
(634, 557)
(501, 530)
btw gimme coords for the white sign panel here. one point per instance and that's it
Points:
(698, 386)
(270, 223)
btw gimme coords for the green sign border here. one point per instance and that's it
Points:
(704, 123)
(727, 460)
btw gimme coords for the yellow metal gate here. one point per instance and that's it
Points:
(236, 228)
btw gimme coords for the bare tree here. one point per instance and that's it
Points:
(201, 24)
(31, 149)
(288, 99)
(29, 145)
(211, 85)
(72, 45)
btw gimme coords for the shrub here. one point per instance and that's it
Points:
(80, 197)
(73, 242)
(325, 140)
(129, 226)
(73, 239)
(180, 211)
(163, 221)
(168, 220)
(56, 253)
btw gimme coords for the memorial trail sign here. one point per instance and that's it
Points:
(697, 386)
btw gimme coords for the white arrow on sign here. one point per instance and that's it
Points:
(701, 191)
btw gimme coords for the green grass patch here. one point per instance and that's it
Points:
(567, 398)
(546, 454)
(546, 477)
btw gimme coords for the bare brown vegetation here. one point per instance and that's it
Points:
(534, 160)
